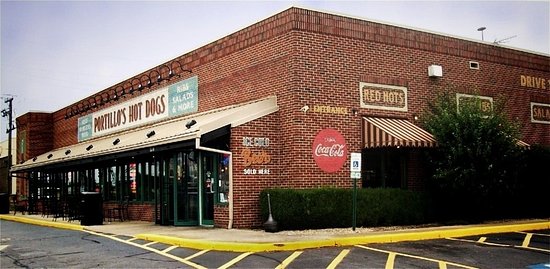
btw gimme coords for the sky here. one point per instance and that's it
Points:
(54, 53)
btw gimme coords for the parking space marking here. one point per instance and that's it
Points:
(478, 242)
(131, 239)
(527, 240)
(523, 246)
(482, 239)
(415, 257)
(150, 243)
(196, 254)
(173, 257)
(289, 260)
(166, 250)
(338, 259)
(537, 234)
(391, 260)
(235, 260)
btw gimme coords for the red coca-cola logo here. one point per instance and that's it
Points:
(329, 150)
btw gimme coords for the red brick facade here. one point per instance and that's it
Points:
(308, 58)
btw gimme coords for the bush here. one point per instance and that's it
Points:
(297, 209)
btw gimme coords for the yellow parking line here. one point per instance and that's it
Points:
(537, 234)
(288, 260)
(527, 240)
(235, 260)
(479, 242)
(414, 257)
(192, 264)
(338, 259)
(150, 243)
(482, 239)
(196, 254)
(442, 265)
(391, 260)
(131, 239)
(168, 249)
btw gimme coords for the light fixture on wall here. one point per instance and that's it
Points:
(190, 124)
(88, 148)
(116, 141)
(150, 134)
(67, 152)
(50, 156)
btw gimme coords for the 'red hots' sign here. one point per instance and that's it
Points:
(329, 150)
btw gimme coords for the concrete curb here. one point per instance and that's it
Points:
(386, 237)
(340, 241)
(47, 223)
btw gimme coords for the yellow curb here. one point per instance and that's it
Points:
(47, 223)
(386, 237)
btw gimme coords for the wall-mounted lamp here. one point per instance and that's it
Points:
(50, 156)
(116, 141)
(354, 111)
(67, 152)
(190, 124)
(88, 148)
(34, 159)
(151, 133)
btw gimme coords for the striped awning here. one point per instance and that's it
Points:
(386, 132)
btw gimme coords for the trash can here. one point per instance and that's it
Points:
(4, 203)
(91, 208)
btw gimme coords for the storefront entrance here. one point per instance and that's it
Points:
(188, 187)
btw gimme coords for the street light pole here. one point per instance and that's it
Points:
(481, 29)
(9, 113)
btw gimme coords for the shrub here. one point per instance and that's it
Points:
(296, 209)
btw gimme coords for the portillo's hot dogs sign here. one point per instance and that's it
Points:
(173, 100)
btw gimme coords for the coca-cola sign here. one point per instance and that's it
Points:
(329, 150)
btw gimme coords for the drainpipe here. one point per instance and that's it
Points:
(198, 146)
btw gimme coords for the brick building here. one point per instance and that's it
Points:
(281, 103)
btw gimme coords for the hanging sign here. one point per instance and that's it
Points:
(329, 150)
(174, 100)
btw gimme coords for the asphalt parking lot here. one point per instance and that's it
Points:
(505, 250)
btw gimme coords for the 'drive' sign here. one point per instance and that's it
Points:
(329, 150)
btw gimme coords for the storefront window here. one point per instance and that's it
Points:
(223, 179)
(384, 168)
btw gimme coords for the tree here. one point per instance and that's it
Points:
(476, 163)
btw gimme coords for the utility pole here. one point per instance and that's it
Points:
(9, 113)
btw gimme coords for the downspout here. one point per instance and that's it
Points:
(198, 146)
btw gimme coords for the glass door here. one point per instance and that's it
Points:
(186, 184)
(209, 174)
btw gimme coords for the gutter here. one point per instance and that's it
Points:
(198, 146)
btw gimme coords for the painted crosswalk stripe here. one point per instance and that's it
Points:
(289, 260)
(235, 260)
(338, 259)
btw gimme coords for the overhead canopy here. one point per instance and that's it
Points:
(161, 133)
(386, 132)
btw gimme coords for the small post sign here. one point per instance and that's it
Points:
(355, 171)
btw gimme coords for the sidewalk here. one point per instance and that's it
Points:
(257, 240)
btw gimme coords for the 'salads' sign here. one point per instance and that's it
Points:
(174, 100)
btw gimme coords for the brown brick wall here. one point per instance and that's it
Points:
(311, 58)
